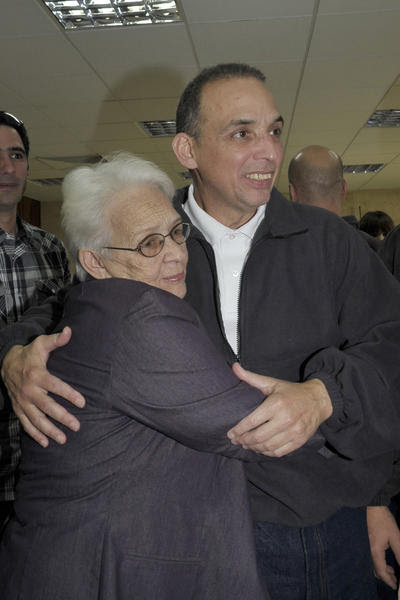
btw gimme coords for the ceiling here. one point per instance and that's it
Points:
(329, 64)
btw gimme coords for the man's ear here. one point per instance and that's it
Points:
(183, 146)
(93, 263)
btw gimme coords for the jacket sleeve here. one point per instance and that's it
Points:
(168, 376)
(37, 320)
(362, 373)
(391, 488)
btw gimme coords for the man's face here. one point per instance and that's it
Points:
(13, 167)
(239, 150)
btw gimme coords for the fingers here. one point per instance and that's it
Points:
(63, 337)
(385, 573)
(265, 441)
(35, 422)
(44, 344)
(261, 382)
(53, 385)
(258, 417)
(395, 541)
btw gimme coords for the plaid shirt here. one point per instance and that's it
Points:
(33, 266)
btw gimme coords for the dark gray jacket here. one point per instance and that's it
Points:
(372, 242)
(146, 502)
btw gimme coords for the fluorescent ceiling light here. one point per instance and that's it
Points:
(363, 169)
(384, 118)
(74, 14)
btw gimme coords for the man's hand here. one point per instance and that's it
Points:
(288, 417)
(383, 534)
(28, 383)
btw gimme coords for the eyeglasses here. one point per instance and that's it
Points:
(152, 244)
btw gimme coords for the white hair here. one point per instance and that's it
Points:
(88, 193)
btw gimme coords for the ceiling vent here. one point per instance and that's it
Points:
(384, 118)
(48, 181)
(65, 162)
(83, 14)
(363, 169)
(159, 128)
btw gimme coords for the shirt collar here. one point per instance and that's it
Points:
(21, 232)
(212, 229)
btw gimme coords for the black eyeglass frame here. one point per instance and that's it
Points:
(186, 232)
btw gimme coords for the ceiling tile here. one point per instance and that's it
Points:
(356, 6)
(361, 35)
(127, 48)
(21, 18)
(151, 109)
(208, 11)
(49, 88)
(148, 82)
(40, 56)
(251, 41)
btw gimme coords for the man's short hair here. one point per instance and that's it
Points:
(8, 120)
(187, 113)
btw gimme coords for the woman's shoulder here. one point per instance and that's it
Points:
(126, 296)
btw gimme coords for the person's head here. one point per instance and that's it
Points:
(228, 135)
(316, 178)
(14, 151)
(376, 223)
(114, 207)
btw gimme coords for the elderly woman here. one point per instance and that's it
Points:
(148, 500)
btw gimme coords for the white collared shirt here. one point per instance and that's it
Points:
(231, 247)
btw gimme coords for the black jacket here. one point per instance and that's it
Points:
(315, 301)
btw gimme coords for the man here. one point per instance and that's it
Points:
(277, 291)
(316, 178)
(33, 265)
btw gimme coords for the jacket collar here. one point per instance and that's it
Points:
(283, 217)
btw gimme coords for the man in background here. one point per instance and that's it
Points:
(316, 178)
(33, 265)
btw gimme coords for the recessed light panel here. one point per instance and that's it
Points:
(82, 14)
(159, 128)
(384, 118)
(363, 169)
(47, 181)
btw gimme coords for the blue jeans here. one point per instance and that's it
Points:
(329, 561)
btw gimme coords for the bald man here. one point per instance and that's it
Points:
(316, 178)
